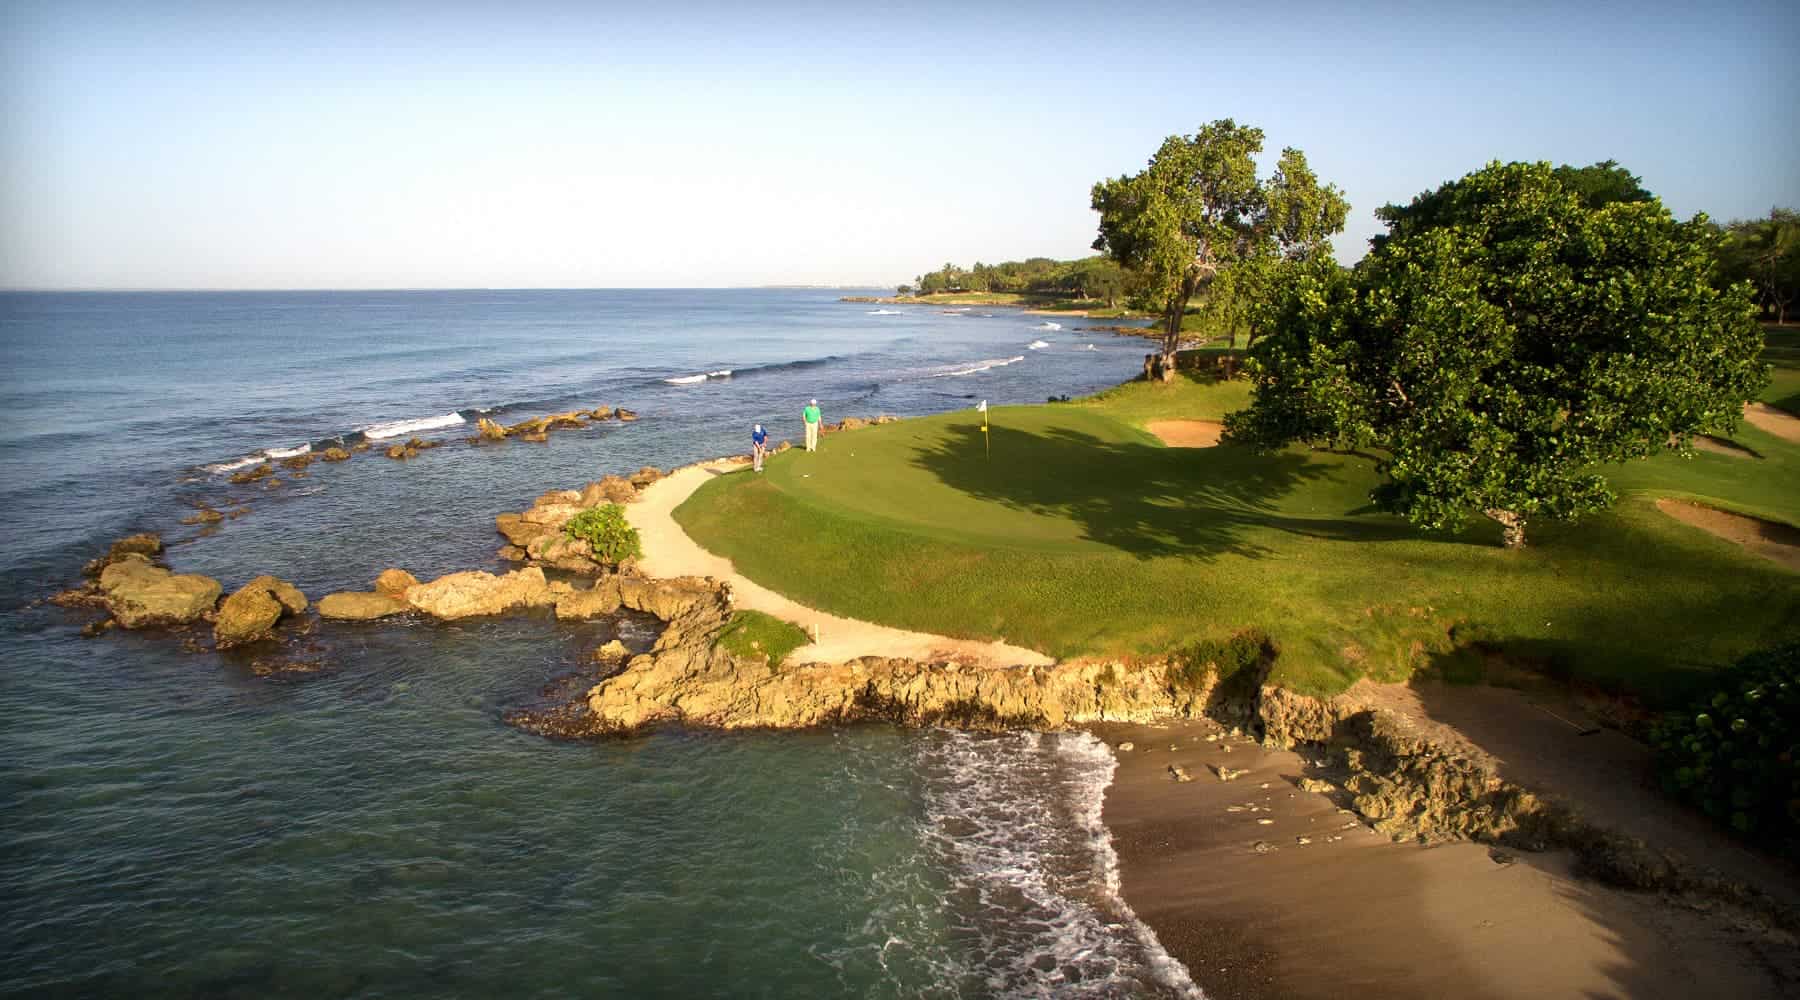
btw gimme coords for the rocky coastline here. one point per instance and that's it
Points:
(1367, 761)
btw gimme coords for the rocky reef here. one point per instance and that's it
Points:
(536, 535)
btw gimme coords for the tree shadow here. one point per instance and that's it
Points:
(1140, 498)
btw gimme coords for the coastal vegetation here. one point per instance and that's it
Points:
(1766, 254)
(1197, 216)
(606, 531)
(1510, 338)
(1096, 279)
(753, 635)
(1735, 752)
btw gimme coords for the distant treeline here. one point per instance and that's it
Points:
(1766, 253)
(1088, 278)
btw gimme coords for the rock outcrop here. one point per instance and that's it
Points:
(472, 593)
(395, 582)
(140, 594)
(598, 601)
(536, 535)
(250, 614)
(334, 454)
(148, 545)
(358, 606)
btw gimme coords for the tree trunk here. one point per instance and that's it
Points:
(1512, 527)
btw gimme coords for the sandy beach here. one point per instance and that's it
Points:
(1329, 908)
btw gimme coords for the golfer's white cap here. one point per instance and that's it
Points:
(759, 427)
(815, 402)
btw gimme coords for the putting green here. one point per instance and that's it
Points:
(1074, 531)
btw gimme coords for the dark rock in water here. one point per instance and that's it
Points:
(206, 515)
(141, 595)
(612, 651)
(401, 451)
(334, 454)
(490, 431)
(81, 597)
(512, 553)
(262, 471)
(535, 437)
(626, 415)
(358, 606)
(238, 512)
(360, 446)
(601, 413)
(298, 462)
(250, 614)
(101, 627)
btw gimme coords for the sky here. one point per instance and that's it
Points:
(577, 145)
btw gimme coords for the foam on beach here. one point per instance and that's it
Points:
(980, 366)
(1016, 821)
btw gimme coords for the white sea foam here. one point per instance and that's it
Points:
(1034, 882)
(981, 366)
(1049, 326)
(235, 464)
(1090, 347)
(884, 312)
(376, 432)
(721, 373)
(256, 458)
(1036, 345)
(685, 380)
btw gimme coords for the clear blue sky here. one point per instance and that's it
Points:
(519, 144)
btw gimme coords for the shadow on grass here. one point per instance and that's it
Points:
(1142, 499)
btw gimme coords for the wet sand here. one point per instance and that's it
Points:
(1351, 914)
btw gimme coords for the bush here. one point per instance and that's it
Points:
(1736, 754)
(753, 635)
(606, 530)
(1233, 658)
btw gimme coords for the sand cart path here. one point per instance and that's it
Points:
(668, 551)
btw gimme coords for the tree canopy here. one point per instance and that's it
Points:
(1765, 253)
(1597, 186)
(1504, 345)
(1089, 277)
(1197, 213)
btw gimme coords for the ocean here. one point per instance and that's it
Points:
(179, 822)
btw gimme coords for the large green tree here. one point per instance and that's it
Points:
(1766, 253)
(1198, 211)
(1505, 353)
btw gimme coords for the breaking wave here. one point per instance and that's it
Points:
(1049, 326)
(885, 312)
(396, 428)
(980, 366)
(1036, 345)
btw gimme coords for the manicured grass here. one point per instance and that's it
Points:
(751, 634)
(1082, 535)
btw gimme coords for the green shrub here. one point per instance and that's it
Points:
(1736, 753)
(752, 634)
(1233, 657)
(605, 528)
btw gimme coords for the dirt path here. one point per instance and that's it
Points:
(668, 551)
(1780, 423)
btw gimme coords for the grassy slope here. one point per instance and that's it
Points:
(1083, 535)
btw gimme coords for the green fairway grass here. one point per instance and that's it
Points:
(1077, 533)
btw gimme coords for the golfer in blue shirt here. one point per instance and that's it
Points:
(759, 446)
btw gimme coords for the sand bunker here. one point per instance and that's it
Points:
(1768, 539)
(1722, 446)
(1187, 433)
(1780, 423)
